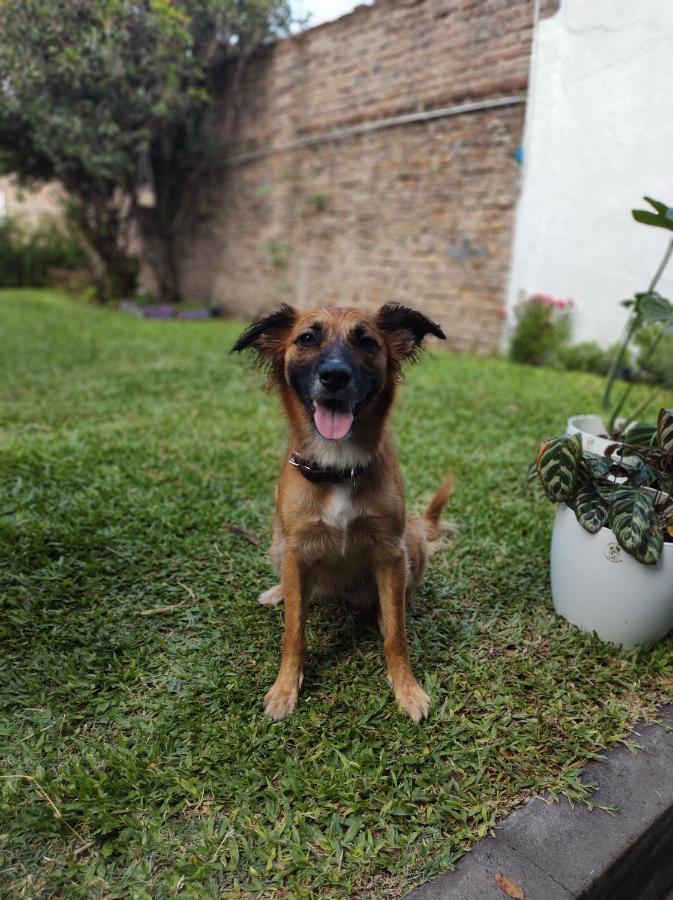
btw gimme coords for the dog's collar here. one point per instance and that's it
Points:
(325, 474)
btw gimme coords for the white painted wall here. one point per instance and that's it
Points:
(599, 136)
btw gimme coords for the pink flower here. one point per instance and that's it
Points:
(547, 300)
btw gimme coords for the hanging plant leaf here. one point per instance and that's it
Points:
(630, 515)
(665, 430)
(649, 550)
(557, 464)
(661, 218)
(641, 434)
(591, 511)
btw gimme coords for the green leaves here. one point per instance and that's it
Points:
(649, 550)
(591, 510)
(665, 430)
(653, 308)
(662, 217)
(557, 466)
(605, 491)
(598, 466)
(109, 94)
(630, 514)
(640, 434)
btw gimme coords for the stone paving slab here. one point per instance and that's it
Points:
(555, 850)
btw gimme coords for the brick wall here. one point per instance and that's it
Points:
(308, 206)
(30, 207)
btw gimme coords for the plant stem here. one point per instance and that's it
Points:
(629, 388)
(616, 365)
(631, 329)
(662, 267)
(634, 415)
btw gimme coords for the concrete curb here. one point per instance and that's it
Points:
(556, 851)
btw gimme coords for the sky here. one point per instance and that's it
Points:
(324, 10)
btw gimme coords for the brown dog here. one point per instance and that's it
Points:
(341, 527)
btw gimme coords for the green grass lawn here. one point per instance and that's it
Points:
(135, 658)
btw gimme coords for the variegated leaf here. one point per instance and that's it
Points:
(590, 510)
(630, 515)
(665, 485)
(606, 489)
(557, 464)
(649, 550)
(637, 471)
(599, 466)
(584, 476)
(531, 474)
(663, 504)
(640, 434)
(665, 430)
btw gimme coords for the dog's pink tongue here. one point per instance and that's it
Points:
(332, 423)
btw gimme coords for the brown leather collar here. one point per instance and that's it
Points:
(327, 475)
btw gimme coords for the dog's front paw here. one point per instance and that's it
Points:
(272, 597)
(412, 699)
(281, 700)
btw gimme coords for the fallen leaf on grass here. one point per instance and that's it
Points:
(509, 886)
(243, 533)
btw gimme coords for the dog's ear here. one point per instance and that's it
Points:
(405, 329)
(266, 337)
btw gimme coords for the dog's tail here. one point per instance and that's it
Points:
(433, 513)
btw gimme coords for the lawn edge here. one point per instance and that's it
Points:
(618, 846)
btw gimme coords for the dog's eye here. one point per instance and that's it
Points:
(368, 343)
(307, 339)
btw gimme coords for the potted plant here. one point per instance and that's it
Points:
(612, 552)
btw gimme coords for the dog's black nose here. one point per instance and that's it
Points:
(334, 375)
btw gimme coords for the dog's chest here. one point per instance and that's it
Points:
(339, 509)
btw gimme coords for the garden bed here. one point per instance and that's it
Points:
(135, 658)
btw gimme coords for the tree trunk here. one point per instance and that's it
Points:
(104, 233)
(159, 252)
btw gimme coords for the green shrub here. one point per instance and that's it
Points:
(541, 329)
(655, 354)
(588, 356)
(28, 255)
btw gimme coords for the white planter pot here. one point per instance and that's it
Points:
(590, 427)
(601, 588)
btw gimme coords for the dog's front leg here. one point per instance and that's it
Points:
(391, 584)
(283, 696)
